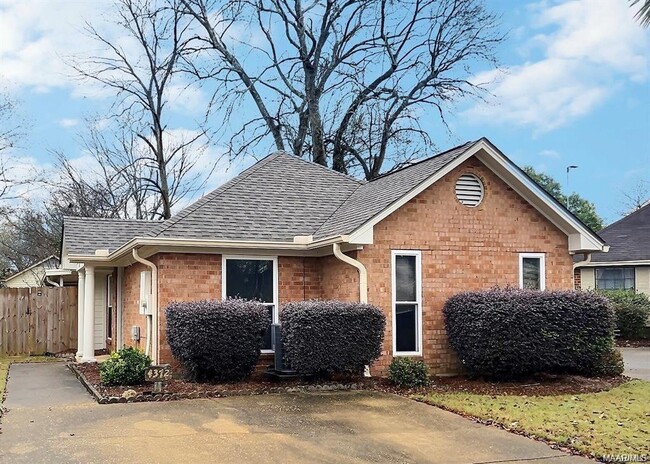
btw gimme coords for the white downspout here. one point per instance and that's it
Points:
(152, 338)
(587, 260)
(363, 282)
(363, 273)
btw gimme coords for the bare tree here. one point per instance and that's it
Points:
(11, 131)
(142, 76)
(635, 198)
(345, 82)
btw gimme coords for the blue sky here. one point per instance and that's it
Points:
(574, 90)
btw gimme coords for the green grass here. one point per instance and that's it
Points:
(611, 422)
(5, 361)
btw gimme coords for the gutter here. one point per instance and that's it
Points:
(363, 273)
(300, 243)
(585, 261)
(152, 339)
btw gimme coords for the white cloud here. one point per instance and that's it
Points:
(588, 48)
(550, 154)
(35, 38)
(68, 122)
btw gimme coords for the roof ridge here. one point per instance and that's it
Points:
(624, 217)
(466, 145)
(165, 225)
(320, 166)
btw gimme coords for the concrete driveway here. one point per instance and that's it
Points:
(339, 427)
(637, 362)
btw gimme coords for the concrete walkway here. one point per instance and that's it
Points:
(637, 362)
(350, 427)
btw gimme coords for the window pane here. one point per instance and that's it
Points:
(532, 275)
(615, 278)
(405, 284)
(406, 327)
(250, 279)
(267, 343)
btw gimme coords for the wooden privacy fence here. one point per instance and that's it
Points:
(37, 320)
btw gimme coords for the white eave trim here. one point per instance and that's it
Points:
(580, 238)
(125, 249)
(614, 263)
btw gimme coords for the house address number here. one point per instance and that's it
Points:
(160, 373)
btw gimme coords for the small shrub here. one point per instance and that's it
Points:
(610, 365)
(124, 367)
(514, 333)
(217, 340)
(632, 312)
(326, 337)
(407, 373)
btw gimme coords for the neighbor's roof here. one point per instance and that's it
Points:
(43, 262)
(628, 238)
(82, 236)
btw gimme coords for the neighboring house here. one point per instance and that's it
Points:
(34, 275)
(627, 265)
(287, 230)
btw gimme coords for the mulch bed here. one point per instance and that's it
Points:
(181, 389)
(542, 385)
(623, 343)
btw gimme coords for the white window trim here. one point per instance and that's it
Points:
(542, 268)
(418, 294)
(276, 303)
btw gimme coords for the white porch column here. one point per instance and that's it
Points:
(89, 315)
(81, 291)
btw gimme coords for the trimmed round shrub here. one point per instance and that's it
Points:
(124, 367)
(408, 373)
(610, 365)
(513, 333)
(632, 312)
(217, 340)
(327, 337)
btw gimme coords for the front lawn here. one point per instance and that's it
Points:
(5, 361)
(610, 422)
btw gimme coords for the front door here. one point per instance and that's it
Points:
(100, 312)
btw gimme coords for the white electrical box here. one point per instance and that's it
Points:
(145, 293)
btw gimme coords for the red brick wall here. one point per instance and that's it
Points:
(339, 280)
(298, 279)
(131, 306)
(462, 249)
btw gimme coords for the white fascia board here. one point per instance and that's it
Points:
(616, 263)
(125, 249)
(581, 239)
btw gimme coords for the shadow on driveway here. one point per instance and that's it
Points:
(54, 421)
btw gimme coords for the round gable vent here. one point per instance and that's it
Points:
(469, 190)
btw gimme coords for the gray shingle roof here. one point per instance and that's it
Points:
(82, 236)
(276, 199)
(628, 238)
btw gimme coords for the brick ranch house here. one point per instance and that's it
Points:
(287, 229)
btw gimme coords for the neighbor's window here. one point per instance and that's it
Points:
(615, 278)
(253, 279)
(532, 271)
(407, 303)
